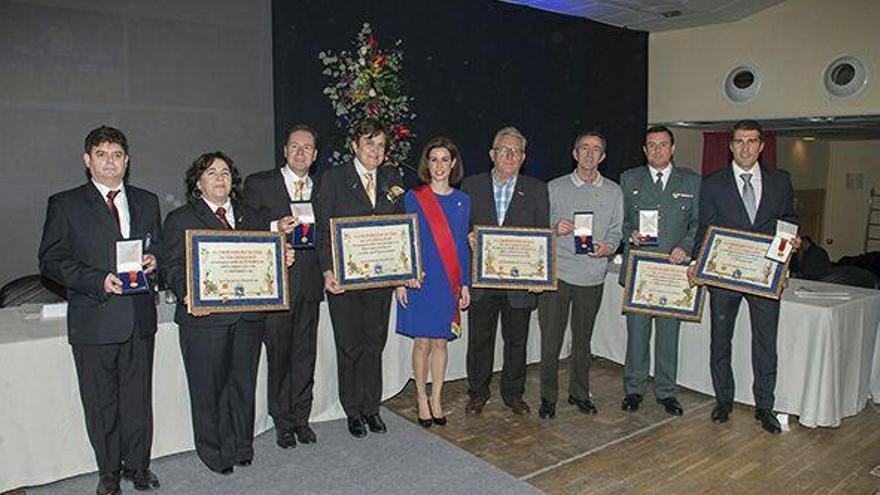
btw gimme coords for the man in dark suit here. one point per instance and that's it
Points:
(111, 334)
(502, 197)
(752, 197)
(291, 336)
(360, 318)
(674, 193)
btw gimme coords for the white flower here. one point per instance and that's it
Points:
(372, 93)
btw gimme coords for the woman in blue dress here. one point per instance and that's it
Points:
(430, 314)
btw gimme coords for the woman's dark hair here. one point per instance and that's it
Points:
(457, 172)
(198, 167)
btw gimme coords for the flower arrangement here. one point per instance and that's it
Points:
(367, 83)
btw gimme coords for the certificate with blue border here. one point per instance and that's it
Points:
(657, 287)
(235, 271)
(736, 260)
(514, 258)
(375, 251)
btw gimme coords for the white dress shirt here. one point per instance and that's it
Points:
(121, 202)
(665, 173)
(290, 181)
(755, 180)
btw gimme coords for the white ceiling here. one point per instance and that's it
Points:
(654, 15)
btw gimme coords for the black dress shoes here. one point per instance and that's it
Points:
(438, 420)
(305, 434)
(518, 406)
(108, 485)
(284, 438)
(547, 409)
(721, 413)
(357, 428)
(475, 406)
(768, 421)
(585, 406)
(374, 421)
(225, 471)
(671, 405)
(142, 479)
(631, 402)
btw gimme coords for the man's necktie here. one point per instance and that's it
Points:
(298, 190)
(221, 215)
(659, 181)
(749, 196)
(370, 186)
(111, 195)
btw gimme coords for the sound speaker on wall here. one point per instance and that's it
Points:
(742, 84)
(844, 77)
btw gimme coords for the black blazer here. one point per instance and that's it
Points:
(343, 195)
(78, 250)
(721, 204)
(529, 207)
(266, 192)
(197, 215)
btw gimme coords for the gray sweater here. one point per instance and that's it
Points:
(568, 194)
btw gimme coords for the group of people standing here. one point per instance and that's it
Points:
(112, 335)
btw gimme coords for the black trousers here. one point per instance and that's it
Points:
(360, 328)
(115, 385)
(291, 340)
(764, 318)
(221, 372)
(482, 327)
(553, 309)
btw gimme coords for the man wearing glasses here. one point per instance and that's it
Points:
(502, 197)
(673, 194)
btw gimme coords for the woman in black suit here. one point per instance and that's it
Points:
(221, 351)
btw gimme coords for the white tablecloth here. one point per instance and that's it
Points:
(828, 353)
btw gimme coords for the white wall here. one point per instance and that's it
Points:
(179, 78)
(846, 210)
(790, 45)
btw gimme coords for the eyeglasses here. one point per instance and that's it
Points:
(509, 151)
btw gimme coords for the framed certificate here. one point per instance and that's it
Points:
(736, 260)
(514, 258)
(375, 251)
(656, 287)
(235, 271)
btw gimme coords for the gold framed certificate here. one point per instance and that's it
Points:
(657, 287)
(375, 251)
(514, 258)
(736, 260)
(235, 271)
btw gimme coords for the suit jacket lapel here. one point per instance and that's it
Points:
(135, 215)
(736, 198)
(356, 187)
(279, 188)
(100, 210)
(207, 217)
(518, 192)
(764, 205)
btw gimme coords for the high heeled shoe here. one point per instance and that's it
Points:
(438, 420)
(425, 423)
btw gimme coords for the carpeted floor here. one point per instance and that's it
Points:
(406, 460)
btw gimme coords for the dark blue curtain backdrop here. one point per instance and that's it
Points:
(474, 66)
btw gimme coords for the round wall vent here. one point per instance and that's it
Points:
(845, 76)
(742, 84)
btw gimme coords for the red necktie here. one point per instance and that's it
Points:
(221, 215)
(111, 195)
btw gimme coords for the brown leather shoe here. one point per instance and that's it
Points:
(475, 405)
(519, 407)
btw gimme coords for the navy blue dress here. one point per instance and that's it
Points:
(431, 308)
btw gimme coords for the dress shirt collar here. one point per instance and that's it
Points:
(665, 172)
(292, 178)
(104, 190)
(738, 171)
(361, 170)
(497, 181)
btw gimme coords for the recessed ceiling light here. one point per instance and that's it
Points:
(809, 138)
